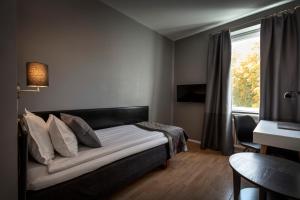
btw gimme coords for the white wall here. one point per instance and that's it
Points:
(97, 58)
(8, 117)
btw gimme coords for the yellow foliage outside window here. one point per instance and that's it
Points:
(246, 76)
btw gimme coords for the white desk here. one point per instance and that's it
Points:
(267, 134)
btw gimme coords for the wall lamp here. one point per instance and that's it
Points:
(37, 77)
(291, 94)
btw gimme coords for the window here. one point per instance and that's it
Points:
(245, 70)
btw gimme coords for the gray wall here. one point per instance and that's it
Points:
(8, 117)
(97, 57)
(190, 67)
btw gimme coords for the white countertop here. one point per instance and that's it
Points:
(267, 133)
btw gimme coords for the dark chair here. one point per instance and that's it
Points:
(244, 127)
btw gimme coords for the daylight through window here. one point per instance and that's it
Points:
(245, 71)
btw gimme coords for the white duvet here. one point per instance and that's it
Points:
(118, 142)
(112, 140)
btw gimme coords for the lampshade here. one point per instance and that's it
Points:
(37, 74)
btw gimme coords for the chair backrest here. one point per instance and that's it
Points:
(244, 127)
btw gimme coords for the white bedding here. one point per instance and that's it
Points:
(112, 140)
(118, 142)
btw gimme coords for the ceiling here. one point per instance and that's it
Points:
(176, 19)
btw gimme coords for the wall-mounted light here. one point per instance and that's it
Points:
(37, 77)
(291, 94)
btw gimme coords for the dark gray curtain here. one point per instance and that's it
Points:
(217, 129)
(280, 66)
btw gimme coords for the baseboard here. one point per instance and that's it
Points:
(194, 141)
(237, 147)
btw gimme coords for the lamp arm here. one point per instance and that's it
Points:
(35, 90)
(19, 90)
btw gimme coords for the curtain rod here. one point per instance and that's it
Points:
(255, 20)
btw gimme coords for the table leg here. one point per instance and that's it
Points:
(262, 194)
(236, 185)
(263, 149)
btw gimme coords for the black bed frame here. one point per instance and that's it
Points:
(104, 181)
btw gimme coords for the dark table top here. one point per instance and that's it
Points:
(274, 174)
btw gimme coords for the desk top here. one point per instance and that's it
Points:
(267, 133)
(274, 174)
(270, 127)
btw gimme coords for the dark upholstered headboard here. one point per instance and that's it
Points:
(97, 118)
(105, 117)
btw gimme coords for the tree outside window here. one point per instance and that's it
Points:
(245, 71)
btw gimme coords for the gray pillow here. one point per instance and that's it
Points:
(84, 133)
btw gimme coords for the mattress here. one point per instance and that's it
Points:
(117, 143)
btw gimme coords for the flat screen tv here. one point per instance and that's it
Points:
(191, 93)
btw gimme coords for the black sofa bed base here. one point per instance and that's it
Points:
(102, 182)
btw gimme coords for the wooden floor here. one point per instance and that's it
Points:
(197, 174)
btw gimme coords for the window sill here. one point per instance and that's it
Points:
(244, 110)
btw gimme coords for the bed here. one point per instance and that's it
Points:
(127, 154)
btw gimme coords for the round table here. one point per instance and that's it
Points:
(269, 173)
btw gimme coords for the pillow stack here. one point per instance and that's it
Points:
(59, 135)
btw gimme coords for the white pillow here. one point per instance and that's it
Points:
(63, 139)
(39, 143)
